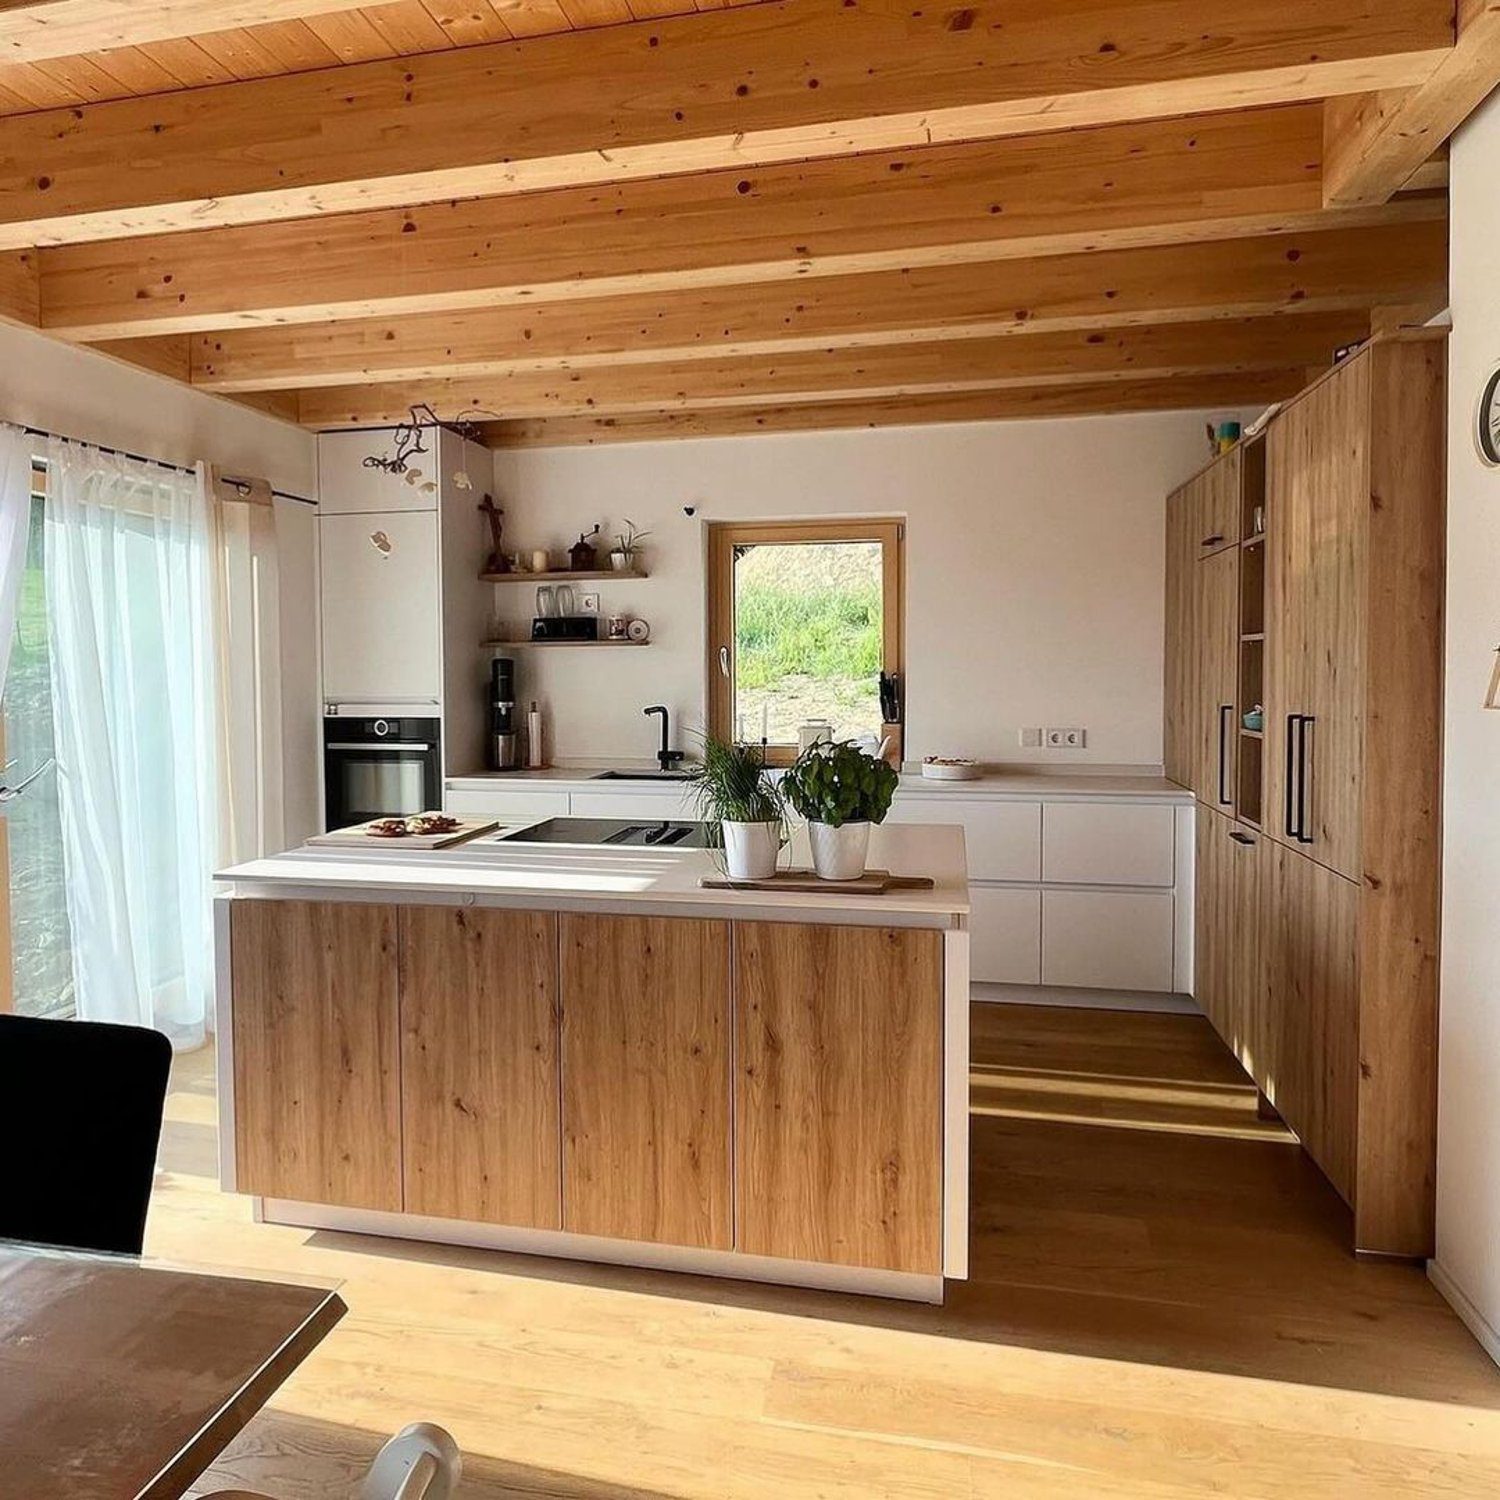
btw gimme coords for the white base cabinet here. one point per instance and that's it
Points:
(1119, 940)
(1005, 935)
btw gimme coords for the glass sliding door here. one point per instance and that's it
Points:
(41, 943)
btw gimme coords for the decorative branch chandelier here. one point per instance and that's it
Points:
(409, 440)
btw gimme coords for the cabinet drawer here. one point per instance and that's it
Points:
(1109, 843)
(1005, 936)
(1117, 940)
(1003, 839)
(462, 802)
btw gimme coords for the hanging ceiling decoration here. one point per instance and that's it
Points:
(409, 439)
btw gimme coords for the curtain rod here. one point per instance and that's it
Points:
(160, 463)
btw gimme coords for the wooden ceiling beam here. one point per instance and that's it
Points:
(1122, 186)
(1207, 393)
(1376, 143)
(35, 30)
(20, 288)
(1331, 270)
(747, 87)
(1074, 358)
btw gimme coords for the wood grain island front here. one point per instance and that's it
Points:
(760, 1098)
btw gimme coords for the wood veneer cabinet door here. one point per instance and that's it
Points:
(1319, 481)
(1249, 1020)
(838, 1099)
(1179, 693)
(1219, 504)
(480, 1077)
(1312, 916)
(1217, 620)
(646, 1079)
(1213, 918)
(317, 1107)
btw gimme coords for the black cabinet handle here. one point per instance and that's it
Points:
(1304, 722)
(1212, 541)
(1226, 710)
(1242, 838)
(1289, 781)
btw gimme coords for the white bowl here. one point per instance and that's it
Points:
(951, 770)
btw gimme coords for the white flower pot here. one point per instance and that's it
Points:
(750, 849)
(621, 561)
(839, 853)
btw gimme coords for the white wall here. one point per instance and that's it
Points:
(1468, 1232)
(1034, 571)
(77, 393)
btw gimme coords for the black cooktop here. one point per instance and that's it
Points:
(615, 832)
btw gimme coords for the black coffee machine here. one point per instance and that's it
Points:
(505, 726)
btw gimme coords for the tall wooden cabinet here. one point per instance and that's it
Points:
(1317, 884)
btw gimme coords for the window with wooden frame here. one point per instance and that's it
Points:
(806, 622)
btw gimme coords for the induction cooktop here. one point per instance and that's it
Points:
(624, 833)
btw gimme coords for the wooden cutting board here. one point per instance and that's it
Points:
(359, 836)
(871, 883)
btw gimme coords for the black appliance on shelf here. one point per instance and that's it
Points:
(505, 722)
(379, 767)
(565, 628)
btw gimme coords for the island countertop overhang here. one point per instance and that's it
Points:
(653, 882)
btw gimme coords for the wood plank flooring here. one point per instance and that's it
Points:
(1161, 1308)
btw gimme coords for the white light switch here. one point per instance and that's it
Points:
(1031, 739)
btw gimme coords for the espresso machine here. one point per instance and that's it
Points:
(505, 724)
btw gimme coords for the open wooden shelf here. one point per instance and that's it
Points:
(519, 645)
(597, 575)
(1252, 734)
(1256, 635)
(1255, 540)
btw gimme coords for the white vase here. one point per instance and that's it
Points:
(750, 849)
(839, 853)
(621, 561)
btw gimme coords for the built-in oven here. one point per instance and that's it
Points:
(379, 767)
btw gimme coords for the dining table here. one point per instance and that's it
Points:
(123, 1378)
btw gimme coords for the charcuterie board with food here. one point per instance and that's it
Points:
(420, 831)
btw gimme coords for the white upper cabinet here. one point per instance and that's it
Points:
(347, 486)
(381, 613)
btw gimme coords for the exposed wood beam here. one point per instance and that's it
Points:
(20, 288)
(169, 356)
(1162, 182)
(1337, 270)
(1376, 142)
(34, 30)
(914, 370)
(1214, 392)
(794, 80)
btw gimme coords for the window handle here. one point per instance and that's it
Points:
(724, 660)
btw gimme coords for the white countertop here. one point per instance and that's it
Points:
(657, 882)
(1016, 784)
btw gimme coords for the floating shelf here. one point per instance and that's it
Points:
(598, 575)
(1255, 635)
(1252, 734)
(527, 645)
(1254, 541)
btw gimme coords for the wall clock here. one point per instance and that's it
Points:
(1488, 423)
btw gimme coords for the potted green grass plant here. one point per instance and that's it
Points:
(840, 791)
(739, 801)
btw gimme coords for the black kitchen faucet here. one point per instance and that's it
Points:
(665, 758)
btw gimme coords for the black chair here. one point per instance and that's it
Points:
(80, 1114)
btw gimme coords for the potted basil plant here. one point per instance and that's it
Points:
(840, 791)
(742, 806)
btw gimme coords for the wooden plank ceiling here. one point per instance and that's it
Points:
(597, 220)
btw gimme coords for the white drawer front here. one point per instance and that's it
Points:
(1107, 843)
(464, 803)
(1116, 940)
(1003, 839)
(1005, 936)
(647, 806)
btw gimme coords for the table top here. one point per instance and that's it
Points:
(119, 1378)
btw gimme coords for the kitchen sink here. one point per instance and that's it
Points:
(643, 776)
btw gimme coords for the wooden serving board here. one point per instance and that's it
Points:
(871, 883)
(359, 837)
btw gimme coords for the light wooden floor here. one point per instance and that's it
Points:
(1161, 1307)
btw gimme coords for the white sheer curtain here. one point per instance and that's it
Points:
(16, 450)
(131, 616)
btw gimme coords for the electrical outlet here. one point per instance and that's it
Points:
(1065, 739)
(589, 604)
(1031, 739)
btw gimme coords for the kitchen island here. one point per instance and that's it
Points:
(584, 1052)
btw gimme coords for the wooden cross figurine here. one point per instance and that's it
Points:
(496, 562)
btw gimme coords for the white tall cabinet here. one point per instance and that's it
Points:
(402, 609)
